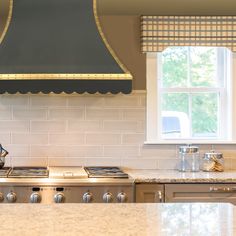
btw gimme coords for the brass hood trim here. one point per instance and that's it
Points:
(65, 76)
(7, 21)
(122, 66)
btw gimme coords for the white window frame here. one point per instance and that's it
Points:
(153, 124)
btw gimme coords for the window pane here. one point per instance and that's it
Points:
(205, 115)
(174, 73)
(203, 66)
(175, 121)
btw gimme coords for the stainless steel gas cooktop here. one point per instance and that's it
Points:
(65, 185)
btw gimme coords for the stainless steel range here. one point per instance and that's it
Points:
(65, 185)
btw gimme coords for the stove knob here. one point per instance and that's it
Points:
(121, 197)
(35, 198)
(107, 197)
(11, 197)
(87, 197)
(59, 198)
(1, 197)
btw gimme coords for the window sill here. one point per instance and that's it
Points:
(189, 141)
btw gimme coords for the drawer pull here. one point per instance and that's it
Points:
(160, 196)
(222, 189)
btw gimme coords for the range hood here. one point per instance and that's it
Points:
(57, 46)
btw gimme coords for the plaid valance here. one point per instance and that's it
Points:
(160, 32)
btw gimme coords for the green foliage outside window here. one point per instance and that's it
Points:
(191, 67)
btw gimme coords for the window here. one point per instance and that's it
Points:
(190, 95)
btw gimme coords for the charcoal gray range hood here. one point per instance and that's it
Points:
(57, 46)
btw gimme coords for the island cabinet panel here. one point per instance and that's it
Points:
(200, 193)
(150, 193)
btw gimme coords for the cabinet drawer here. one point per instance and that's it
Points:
(200, 193)
(149, 193)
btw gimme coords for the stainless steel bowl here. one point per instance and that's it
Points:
(2, 162)
(3, 154)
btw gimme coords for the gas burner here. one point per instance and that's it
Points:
(4, 172)
(29, 172)
(105, 172)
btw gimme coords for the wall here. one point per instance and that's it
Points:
(84, 130)
(123, 34)
(167, 7)
(90, 129)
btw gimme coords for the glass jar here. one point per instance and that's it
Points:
(213, 161)
(189, 158)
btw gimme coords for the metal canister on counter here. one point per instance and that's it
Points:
(213, 161)
(189, 158)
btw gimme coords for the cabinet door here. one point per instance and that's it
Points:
(200, 193)
(149, 193)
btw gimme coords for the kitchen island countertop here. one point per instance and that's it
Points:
(174, 176)
(118, 219)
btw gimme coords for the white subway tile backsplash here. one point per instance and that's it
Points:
(23, 138)
(122, 126)
(167, 164)
(158, 151)
(121, 151)
(16, 151)
(5, 138)
(134, 114)
(143, 101)
(14, 126)
(86, 100)
(103, 161)
(29, 114)
(229, 164)
(14, 100)
(84, 126)
(66, 162)
(70, 130)
(121, 101)
(48, 100)
(8, 162)
(29, 161)
(66, 114)
(52, 151)
(6, 114)
(103, 139)
(85, 151)
(233, 164)
(48, 126)
(49, 151)
(139, 163)
(102, 114)
(66, 139)
(136, 138)
(93, 151)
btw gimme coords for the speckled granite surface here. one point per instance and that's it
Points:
(174, 176)
(118, 219)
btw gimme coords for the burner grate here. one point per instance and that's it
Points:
(105, 172)
(29, 172)
(4, 172)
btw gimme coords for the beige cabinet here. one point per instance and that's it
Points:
(200, 193)
(149, 193)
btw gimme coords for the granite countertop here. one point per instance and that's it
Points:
(118, 219)
(174, 176)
